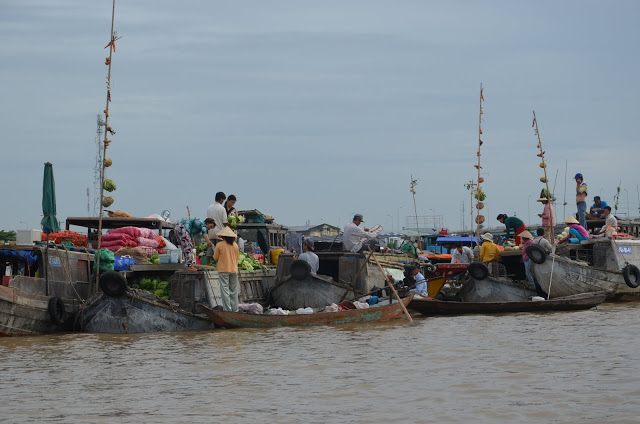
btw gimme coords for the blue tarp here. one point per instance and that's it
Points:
(31, 256)
(446, 240)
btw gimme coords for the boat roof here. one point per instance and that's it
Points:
(119, 222)
(448, 240)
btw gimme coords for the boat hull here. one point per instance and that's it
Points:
(24, 314)
(132, 313)
(352, 316)
(560, 276)
(313, 292)
(569, 303)
(494, 289)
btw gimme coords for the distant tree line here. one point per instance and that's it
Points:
(7, 235)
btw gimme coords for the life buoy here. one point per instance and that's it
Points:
(300, 269)
(631, 275)
(113, 284)
(478, 270)
(536, 253)
(57, 310)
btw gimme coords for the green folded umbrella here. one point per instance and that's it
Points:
(49, 221)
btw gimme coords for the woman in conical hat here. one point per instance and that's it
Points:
(575, 230)
(226, 255)
(548, 216)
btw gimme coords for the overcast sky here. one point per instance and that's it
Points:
(313, 111)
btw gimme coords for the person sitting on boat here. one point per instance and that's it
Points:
(226, 255)
(462, 255)
(418, 281)
(528, 237)
(541, 234)
(575, 230)
(610, 227)
(489, 251)
(356, 239)
(512, 223)
(310, 257)
(596, 211)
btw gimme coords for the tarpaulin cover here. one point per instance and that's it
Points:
(31, 256)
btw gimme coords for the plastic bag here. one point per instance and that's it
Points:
(306, 310)
(251, 308)
(331, 308)
(107, 259)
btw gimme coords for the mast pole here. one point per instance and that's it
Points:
(544, 179)
(106, 141)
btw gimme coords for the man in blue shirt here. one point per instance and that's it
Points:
(596, 211)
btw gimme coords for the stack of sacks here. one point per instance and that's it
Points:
(144, 238)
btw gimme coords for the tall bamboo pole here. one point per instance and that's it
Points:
(106, 141)
(545, 179)
(415, 209)
(478, 166)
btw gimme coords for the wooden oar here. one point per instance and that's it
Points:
(393, 289)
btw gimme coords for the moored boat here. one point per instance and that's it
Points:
(594, 265)
(45, 289)
(384, 311)
(568, 303)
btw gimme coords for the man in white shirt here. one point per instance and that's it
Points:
(356, 239)
(462, 255)
(610, 226)
(217, 212)
(310, 257)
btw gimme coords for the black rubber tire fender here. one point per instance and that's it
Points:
(57, 310)
(300, 269)
(631, 275)
(478, 270)
(113, 284)
(536, 253)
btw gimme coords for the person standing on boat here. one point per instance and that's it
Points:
(310, 257)
(528, 237)
(210, 223)
(548, 216)
(226, 255)
(217, 212)
(512, 223)
(186, 244)
(356, 239)
(581, 199)
(229, 206)
(596, 211)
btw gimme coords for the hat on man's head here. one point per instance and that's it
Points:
(596, 198)
(309, 244)
(578, 175)
(571, 220)
(358, 216)
(487, 237)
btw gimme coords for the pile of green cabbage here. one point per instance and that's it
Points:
(157, 286)
(247, 263)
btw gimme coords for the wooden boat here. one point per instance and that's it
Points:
(32, 304)
(383, 312)
(593, 265)
(137, 312)
(343, 275)
(568, 303)
(494, 289)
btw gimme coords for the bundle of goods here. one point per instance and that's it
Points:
(143, 238)
(66, 236)
(157, 286)
(137, 253)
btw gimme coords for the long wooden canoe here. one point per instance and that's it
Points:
(385, 312)
(568, 303)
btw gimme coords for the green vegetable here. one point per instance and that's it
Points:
(109, 185)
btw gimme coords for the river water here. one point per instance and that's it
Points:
(571, 367)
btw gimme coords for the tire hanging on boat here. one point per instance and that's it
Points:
(631, 275)
(536, 253)
(478, 270)
(300, 269)
(57, 310)
(113, 284)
